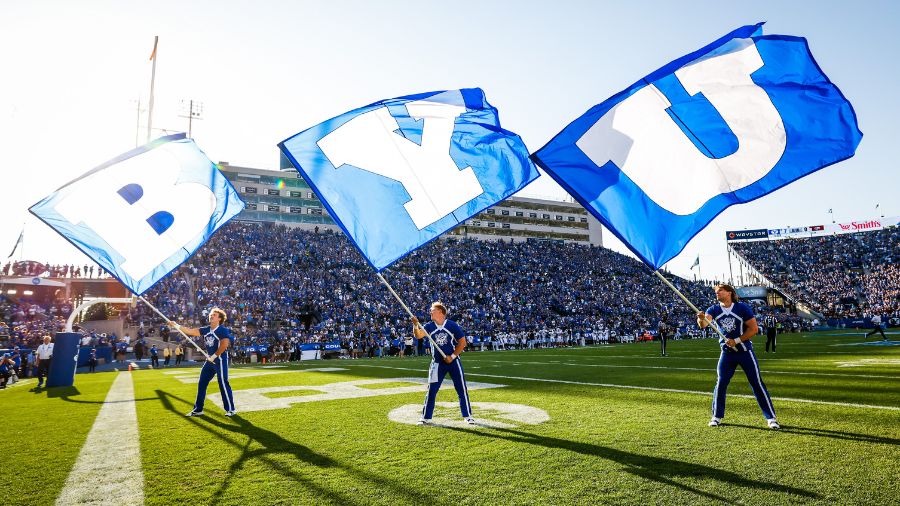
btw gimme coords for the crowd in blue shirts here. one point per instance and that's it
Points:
(265, 275)
(24, 321)
(840, 276)
(276, 282)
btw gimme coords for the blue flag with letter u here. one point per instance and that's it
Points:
(143, 213)
(723, 125)
(398, 173)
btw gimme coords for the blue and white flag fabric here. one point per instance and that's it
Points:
(723, 125)
(143, 213)
(400, 172)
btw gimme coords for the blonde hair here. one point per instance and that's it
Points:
(439, 305)
(221, 312)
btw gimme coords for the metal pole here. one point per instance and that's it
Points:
(137, 124)
(730, 270)
(178, 328)
(435, 346)
(154, 57)
(190, 117)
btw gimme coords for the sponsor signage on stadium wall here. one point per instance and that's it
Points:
(743, 235)
(859, 226)
(752, 292)
(830, 229)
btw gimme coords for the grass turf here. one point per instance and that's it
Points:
(602, 444)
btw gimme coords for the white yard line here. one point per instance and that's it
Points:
(656, 389)
(108, 469)
(768, 371)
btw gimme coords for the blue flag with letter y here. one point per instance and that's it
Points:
(724, 125)
(400, 172)
(143, 213)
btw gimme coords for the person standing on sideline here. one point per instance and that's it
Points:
(179, 354)
(876, 328)
(217, 339)
(664, 329)
(43, 356)
(736, 321)
(771, 324)
(154, 356)
(167, 356)
(92, 361)
(451, 339)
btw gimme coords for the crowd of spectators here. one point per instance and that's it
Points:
(283, 287)
(274, 281)
(32, 268)
(839, 276)
(24, 322)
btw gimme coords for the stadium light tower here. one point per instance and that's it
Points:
(191, 109)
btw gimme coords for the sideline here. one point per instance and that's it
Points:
(768, 371)
(108, 469)
(657, 389)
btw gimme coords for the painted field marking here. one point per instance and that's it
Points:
(108, 469)
(497, 415)
(768, 371)
(254, 399)
(657, 389)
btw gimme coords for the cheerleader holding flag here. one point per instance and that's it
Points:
(145, 212)
(724, 125)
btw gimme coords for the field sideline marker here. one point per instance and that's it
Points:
(657, 389)
(108, 469)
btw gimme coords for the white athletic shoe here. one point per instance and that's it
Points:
(424, 421)
(230, 413)
(470, 421)
(194, 412)
(773, 424)
(714, 422)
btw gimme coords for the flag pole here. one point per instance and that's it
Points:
(177, 327)
(391, 289)
(152, 83)
(689, 303)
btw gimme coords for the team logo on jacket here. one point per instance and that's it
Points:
(441, 338)
(210, 340)
(727, 324)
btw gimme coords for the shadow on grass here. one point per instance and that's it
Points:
(62, 392)
(272, 443)
(67, 394)
(834, 434)
(658, 469)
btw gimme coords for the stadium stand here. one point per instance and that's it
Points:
(840, 276)
(265, 275)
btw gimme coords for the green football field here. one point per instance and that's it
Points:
(599, 425)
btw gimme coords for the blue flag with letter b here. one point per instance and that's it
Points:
(398, 173)
(143, 213)
(723, 125)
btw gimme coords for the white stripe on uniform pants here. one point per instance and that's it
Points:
(206, 375)
(728, 362)
(459, 382)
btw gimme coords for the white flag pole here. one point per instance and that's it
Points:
(435, 346)
(691, 304)
(177, 327)
(153, 57)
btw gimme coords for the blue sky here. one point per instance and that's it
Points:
(74, 71)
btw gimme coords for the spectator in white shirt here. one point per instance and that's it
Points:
(44, 355)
